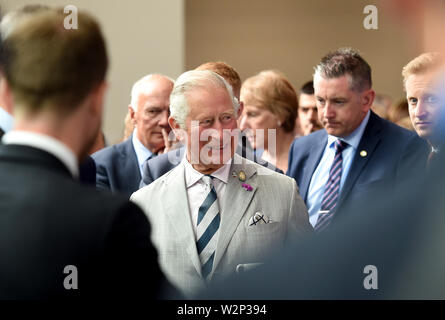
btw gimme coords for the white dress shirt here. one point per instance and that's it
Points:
(197, 190)
(45, 143)
(6, 120)
(321, 174)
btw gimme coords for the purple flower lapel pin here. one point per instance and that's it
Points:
(246, 186)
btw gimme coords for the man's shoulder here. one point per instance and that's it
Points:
(167, 160)
(394, 135)
(308, 141)
(110, 152)
(157, 186)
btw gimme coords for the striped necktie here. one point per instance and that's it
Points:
(145, 171)
(207, 228)
(332, 188)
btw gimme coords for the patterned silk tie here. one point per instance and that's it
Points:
(208, 228)
(332, 189)
(145, 173)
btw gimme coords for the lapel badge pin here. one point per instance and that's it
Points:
(363, 153)
(234, 174)
(242, 176)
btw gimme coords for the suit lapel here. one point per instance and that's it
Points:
(236, 202)
(177, 209)
(130, 166)
(368, 143)
(312, 162)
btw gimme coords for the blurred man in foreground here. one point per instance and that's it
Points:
(59, 239)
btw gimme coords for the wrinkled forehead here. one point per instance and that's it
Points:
(427, 82)
(209, 98)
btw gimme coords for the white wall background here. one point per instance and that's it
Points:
(143, 36)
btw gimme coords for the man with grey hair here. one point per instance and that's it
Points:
(216, 213)
(357, 153)
(120, 167)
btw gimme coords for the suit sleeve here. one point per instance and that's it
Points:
(102, 180)
(291, 153)
(87, 171)
(298, 221)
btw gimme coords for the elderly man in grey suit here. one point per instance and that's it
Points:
(216, 212)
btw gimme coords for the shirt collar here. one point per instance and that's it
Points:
(142, 153)
(6, 120)
(354, 138)
(46, 143)
(192, 176)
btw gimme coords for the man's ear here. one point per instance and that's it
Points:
(240, 109)
(178, 131)
(367, 99)
(132, 113)
(6, 99)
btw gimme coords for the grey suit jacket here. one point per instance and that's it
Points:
(166, 204)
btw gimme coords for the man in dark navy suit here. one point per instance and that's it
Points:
(357, 152)
(119, 167)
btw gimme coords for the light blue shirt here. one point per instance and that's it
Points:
(6, 120)
(321, 174)
(142, 153)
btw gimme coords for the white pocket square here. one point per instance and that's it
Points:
(259, 218)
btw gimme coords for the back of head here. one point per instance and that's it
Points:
(225, 71)
(15, 17)
(270, 89)
(346, 62)
(50, 68)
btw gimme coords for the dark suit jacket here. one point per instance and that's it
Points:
(1, 133)
(49, 221)
(393, 154)
(401, 233)
(158, 166)
(87, 171)
(117, 168)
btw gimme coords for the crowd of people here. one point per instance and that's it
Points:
(214, 176)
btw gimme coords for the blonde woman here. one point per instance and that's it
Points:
(270, 110)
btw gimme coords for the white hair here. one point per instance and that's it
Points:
(190, 81)
(139, 87)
